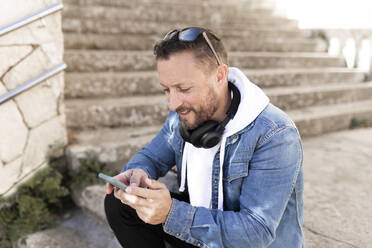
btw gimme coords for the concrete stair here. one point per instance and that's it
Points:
(116, 146)
(146, 42)
(156, 13)
(142, 111)
(117, 84)
(115, 105)
(79, 25)
(118, 61)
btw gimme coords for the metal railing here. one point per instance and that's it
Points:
(33, 82)
(53, 71)
(354, 44)
(24, 21)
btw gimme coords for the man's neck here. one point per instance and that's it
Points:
(225, 105)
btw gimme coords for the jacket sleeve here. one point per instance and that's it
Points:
(157, 157)
(273, 171)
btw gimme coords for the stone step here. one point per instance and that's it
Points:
(151, 3)
(145, 110)
(161, 28)
(147, 42)
(325, 119)
(175, 5)
(116, 146)
(206, 15)
(98, 61)
(75, 229)
(321, 95)
(116, 112)
(268, 78)
(113, 146)
(108, 84)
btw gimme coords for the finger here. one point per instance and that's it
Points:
(117, 193)
(153, 184)
(135, 179)
(108, 188)
(124, 177)
(133, 201)
(141, 192)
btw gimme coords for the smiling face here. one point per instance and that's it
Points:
(194, 92)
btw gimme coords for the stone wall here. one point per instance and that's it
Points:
(32, 124)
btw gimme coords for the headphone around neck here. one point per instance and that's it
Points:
(209, 133)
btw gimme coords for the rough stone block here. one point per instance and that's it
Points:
(45, 30)
(24, 176)
(114, 147)
(37, 104)
(60, 237)
(13, 132)
(20, 74)
(45, 141)
(16, 9)
(136, 111)
(92, 199)
(9, 56)
(13, 173)
(3, 90)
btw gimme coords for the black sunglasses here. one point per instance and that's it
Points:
(189, 35)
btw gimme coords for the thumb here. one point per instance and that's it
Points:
(153, 184)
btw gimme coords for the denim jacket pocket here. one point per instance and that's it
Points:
(234, 174)
(238, 166)
(235, 171)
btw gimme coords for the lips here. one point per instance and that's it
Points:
(184, 112)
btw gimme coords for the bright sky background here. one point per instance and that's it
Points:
(328, 13)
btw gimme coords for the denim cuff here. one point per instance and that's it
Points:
(179, 220)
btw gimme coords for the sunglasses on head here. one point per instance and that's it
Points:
(189, 35)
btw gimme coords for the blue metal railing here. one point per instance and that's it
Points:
(24, 21)
(53, 71)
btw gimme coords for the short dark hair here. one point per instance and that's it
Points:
(202, 52)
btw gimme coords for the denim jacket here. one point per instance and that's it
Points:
(262, 185)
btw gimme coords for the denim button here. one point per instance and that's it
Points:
(215, 181)
(177, 234)
(198, 244)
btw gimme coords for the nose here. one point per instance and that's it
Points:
(174, 101)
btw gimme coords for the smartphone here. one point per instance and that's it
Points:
(113, 181)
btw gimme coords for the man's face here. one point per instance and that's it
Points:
(189, 90)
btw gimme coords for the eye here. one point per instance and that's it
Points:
(166, 90)
(184, 90)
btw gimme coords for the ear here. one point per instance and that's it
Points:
(222, 72)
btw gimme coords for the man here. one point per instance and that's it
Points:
(238, 157)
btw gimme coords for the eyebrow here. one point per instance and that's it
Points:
(174, 85)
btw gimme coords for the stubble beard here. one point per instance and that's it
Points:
(205, 113)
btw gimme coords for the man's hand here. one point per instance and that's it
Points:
(135, 177)
(152, 204)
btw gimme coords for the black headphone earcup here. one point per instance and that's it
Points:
(199, 133)
(185, 134)
(210, 139)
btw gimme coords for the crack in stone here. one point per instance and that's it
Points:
(329, 237)
(28, 138)
(19, 45)
(34, 47)
(19, 180)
